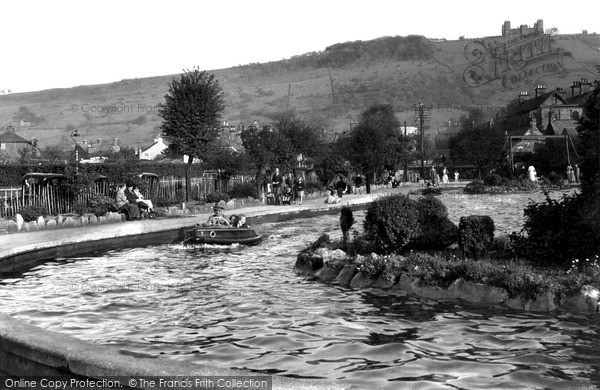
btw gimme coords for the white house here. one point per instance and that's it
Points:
(153, 150)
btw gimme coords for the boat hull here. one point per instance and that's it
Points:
(221, 236)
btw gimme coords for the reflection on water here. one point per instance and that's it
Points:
(243, 307)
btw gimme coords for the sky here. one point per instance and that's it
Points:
(61, 44)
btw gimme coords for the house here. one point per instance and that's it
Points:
(11, 143)
(553, 112)
(154, 150)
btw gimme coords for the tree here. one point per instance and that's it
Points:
(279, 144)
(480, 146)
(331, 166)
(191, 116)
(55, 154)
(376, 141)
(226, 162)
(261, 146)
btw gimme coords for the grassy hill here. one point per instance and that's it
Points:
(331, 87)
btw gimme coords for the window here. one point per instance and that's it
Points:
(575, 115)
(2, 146)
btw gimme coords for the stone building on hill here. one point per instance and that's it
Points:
(522, 30)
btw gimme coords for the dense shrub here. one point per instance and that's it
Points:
(32, 212)
(493, 180)
(100, 204)
(475, 187)
(556, 232)
(312, 187)
(165, 202)
(476, 234)
(217, 197)
(431, 191)
(80, 208)
(391, 222)
(245, 190)
(436, 230)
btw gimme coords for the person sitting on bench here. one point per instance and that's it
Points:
(131, 211)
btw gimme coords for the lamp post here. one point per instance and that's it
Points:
(73, 135)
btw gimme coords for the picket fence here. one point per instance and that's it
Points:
(58, 200)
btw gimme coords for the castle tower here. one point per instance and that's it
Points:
(506, 29)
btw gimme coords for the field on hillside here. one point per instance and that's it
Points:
(332, 96)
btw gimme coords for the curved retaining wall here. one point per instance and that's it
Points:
(336, 266)
(26, 349)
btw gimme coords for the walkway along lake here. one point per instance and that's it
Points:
(243, 307)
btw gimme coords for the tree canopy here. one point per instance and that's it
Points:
(478, 143)
(376, 141)
(279, 144)
(191, 116)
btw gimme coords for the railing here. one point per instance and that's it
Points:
(58, 199)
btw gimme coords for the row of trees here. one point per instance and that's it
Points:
(191, 116)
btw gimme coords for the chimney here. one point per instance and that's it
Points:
(99, 141)
(576, 85)
(561, 92)
(585, 86)
(10, 129)
(539, 90)
(523, 96)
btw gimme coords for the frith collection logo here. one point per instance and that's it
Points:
(512, 62)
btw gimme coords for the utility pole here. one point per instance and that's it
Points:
(421, 118)
(405, 157)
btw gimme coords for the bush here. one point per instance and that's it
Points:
(80, 208)
(165, 202)
(431, 191)
(437, 231)
(493, 180)
(475, 187)
(476, 234)
(32, 212)
(216, 197)
(391, 222)
(557, 232)
(312, 187)
(100, 204)
(245, 190)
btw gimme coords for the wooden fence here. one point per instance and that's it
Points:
(58, 199)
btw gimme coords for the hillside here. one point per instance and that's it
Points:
(331, 87)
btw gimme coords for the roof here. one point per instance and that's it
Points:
(535, 103)
(580, 100)
(11, 138)
(559, 127)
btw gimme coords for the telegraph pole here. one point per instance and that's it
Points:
(421, 114)
(405, 156)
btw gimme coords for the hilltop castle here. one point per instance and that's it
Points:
(522, 30)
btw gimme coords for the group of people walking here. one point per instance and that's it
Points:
(286, 188)
(445, 179)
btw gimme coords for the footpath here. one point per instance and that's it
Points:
(24, 243)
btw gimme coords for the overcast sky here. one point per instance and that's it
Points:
(57, 44)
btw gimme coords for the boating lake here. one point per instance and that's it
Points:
(244, 307)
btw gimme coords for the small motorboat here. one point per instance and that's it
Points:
(221, 235)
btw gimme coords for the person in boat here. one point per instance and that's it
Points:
(217, 218)
(241, 222)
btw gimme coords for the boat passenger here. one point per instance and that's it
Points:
(241, 222)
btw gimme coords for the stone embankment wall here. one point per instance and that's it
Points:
(335, 266)
(18, 225)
